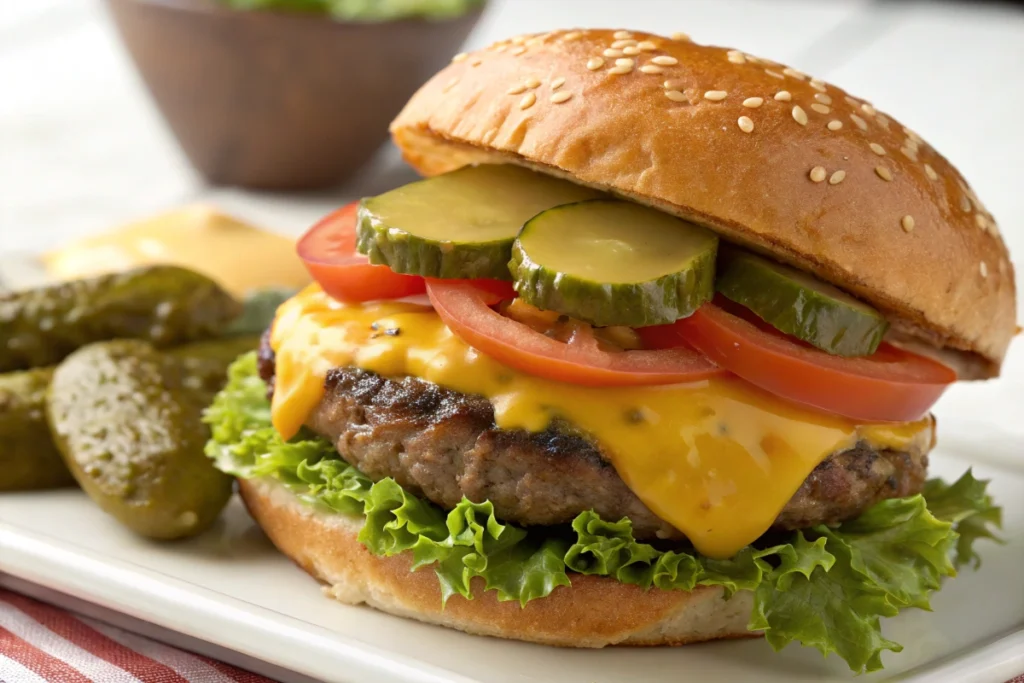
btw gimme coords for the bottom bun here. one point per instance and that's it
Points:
(593, 612)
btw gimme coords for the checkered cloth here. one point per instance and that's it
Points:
(43, 644)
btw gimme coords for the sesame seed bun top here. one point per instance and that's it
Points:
(763, 154)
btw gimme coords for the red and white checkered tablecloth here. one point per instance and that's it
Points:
(43, 644)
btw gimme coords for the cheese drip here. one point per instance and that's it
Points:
(717, 459)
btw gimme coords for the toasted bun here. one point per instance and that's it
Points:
(675, 125)
(594, 612)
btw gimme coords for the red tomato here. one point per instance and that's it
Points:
(891, 385)
(465, 310)
(329, 252)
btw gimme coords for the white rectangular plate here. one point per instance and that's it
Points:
(231, 588)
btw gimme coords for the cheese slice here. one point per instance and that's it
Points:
(717, 459)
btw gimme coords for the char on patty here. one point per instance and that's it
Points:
(442, 445)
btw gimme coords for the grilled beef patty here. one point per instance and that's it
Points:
(442, 445)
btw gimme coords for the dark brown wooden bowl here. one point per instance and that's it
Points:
(274, 100)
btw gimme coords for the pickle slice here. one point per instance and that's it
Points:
(609, 262)
(460, 224)
(800, 305)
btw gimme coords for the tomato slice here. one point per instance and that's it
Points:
(466, 311)
(892, 385)
(328, 250)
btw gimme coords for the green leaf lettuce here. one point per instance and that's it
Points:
(824, 587)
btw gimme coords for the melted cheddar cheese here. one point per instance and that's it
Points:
(717, 459)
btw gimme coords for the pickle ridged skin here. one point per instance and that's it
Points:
(460, 224)
(165, 305)
(656, 301)
(28, 458)
(130, 429)
(799, 305)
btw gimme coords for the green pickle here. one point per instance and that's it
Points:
(609, 262)
(800, 305)
(165, 305)
(28, 458)
(460, 224)
(128, 421)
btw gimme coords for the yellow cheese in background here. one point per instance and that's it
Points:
(239, 256)
(717, 459)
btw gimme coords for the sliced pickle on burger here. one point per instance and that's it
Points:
(460, 224)
(610, 262)
(800, 305)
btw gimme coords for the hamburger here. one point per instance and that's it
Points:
(647, 358)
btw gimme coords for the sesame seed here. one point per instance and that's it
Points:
(518, 40)
(674, 84)
(651, 69)
(516, 89)
(783, 96)
(793, 73)
(528, 100)
(883, 173)
(571, 36)
(909, 153)
(679, 35)
(799, 115)
(774, 74)
(823, 98)
(518, 50)
(965, 204)
(622, 35)
(557, 83)
(867, 109)
(459, 57)
(646, 46)
(835, 124)
(501, 48)
(820, 108)
(595, 63)
(715, 95)
(983, 269)
(619, 70)
(930, 172)
(907, 222)
(837, 177)
(560, 97)
(883, 121)
(817, 174)
(450, 84)
(912, 135)
(618, 44)
(476, 62)
(753, 102)
(861, 123)
(877, 149)
(850, 101)
(818, 84)
(745, 124)
(664, 60)
(610, 52)
(532, 83)
(533, 42)
(631, 50)
(736, 57)
(675, 96)
(624, 62)
(979, 218)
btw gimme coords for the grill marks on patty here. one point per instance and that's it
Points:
(442, 445)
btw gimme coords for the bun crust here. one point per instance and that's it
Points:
(704, 133)
(594, 612)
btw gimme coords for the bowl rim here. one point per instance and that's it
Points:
(216, 8)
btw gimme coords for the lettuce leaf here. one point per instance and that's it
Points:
(826, 588)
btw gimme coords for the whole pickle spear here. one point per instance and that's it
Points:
(28, 457)
(129, 426)
(165, 305)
